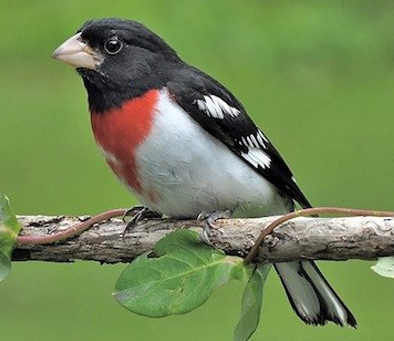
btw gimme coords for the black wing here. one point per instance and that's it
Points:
(220, 114)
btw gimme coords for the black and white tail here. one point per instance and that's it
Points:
(311, 296)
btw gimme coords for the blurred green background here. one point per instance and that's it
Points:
(317, 76)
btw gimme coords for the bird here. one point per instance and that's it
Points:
(185, 146)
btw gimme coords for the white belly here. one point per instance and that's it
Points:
(185, 171)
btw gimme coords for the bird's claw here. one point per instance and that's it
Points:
(210, 219)
(137, 214)
(132, 211)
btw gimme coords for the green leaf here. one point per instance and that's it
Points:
(9, 230)
(384, 267)
(252, 300)
(180, 278)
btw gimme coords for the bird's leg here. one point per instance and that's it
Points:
(210, 219)
(137, 214)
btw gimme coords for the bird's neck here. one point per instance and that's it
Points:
(105, 93)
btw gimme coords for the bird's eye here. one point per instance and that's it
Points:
(113, 46)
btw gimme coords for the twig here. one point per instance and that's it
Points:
(310, 212)
(297, 239)
(70, 231)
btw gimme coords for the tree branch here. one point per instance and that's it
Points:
(298, 239)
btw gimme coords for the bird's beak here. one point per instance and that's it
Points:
(77, 53)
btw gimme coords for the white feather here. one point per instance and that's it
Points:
(304, 295)
(334, 306)
(257, 157)
(254, 141)
(215, 107)
(262, 139)
(300, 290)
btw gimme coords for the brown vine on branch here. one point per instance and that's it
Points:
(310, 212)
(72, 230)
(298, 239)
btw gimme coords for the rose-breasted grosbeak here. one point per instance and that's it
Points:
(183, 144)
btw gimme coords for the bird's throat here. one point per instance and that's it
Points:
(120, 131)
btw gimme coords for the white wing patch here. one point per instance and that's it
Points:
(257, 157)
(214, 106)
(261, 138)
(255, 141)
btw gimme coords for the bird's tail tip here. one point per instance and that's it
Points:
(311, 296)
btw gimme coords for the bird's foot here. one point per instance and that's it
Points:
(210, 222)
(137, 213)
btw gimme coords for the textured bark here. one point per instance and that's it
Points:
(300, 238)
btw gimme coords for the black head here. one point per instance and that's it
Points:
(118, 59)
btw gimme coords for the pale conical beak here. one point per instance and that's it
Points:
(77, 53)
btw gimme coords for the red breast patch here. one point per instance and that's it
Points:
(121, 130)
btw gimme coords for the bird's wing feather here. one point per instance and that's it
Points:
(223, 116)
